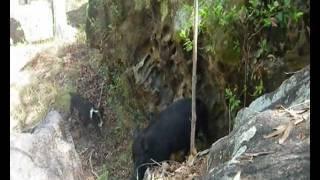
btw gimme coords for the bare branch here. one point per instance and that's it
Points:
(102, 85)
(194, 78)
(92, 171)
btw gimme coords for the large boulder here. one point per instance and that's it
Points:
(35, 19)
(77, 17)
(16, 31)
(254, 151)
(46, 153)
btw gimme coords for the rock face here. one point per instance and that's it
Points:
(47, 153)
(247, 152)
(141, 43)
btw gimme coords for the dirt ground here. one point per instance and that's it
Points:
(44, 83)
(51, 75)
(111, 153)
(41, 75)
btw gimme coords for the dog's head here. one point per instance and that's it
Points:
(96, 116)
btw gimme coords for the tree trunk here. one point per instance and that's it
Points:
(59, 18)
(194, 78)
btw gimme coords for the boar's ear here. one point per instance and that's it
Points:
(92, 110)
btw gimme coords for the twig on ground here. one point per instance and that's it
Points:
(259, 153)
(156, 162)
(250, 156)
(305, 102)
(299, 120)
(297, 115)
(92, 171)
(204, 152)
(100, 94)
(83, 151)
(293, 114)
(287, 73)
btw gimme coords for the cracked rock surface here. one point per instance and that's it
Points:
(248, 151)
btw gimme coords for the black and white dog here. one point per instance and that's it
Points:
(87, 112)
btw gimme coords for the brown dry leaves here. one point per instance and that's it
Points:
(284, 130)
(175, 170)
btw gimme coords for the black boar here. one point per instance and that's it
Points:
(168, 132)
(87, 112)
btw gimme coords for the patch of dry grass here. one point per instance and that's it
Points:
(54, 74)
(47, 88)
(55, 70)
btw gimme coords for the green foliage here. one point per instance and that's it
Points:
(233, 32)
(121, 99)
(233, 104)
(278, 13)
(296, 16)
(233, 101)
(256, 17)
(236, 46)
(259, 18)
(217, 27)
(263, 49)
(115, 11)
(222, 16)
(105, 174)
(210, 16)
(187, 45)
(185, 29)
(258, 89)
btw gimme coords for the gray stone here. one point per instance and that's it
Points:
(294, 90)
(16, 32)
(46, 153)
(245, 149)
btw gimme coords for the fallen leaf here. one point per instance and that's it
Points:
(258, 153)
(279, 130)
(286, 133)
(302, 111)
(165, 166)
(299, 120)
(292, 112)
(181, 169)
